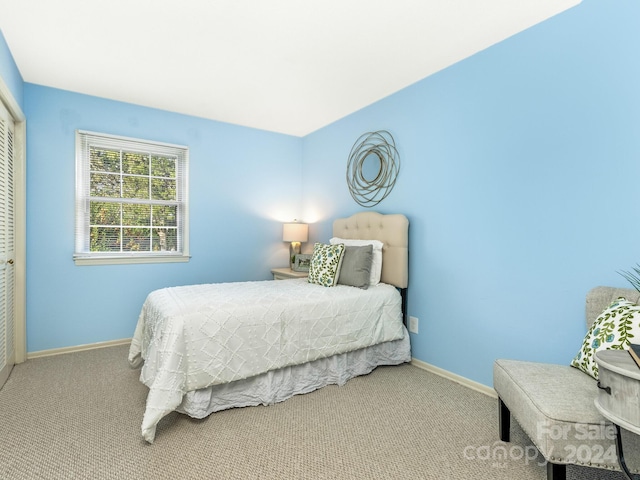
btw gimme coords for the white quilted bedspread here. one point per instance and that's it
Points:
(195, 336)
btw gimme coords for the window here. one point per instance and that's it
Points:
(131, 200)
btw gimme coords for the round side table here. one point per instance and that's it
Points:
(619, 397)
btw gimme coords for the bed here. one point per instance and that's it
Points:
(210, 347)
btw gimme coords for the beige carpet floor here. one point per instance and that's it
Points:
(77, 416)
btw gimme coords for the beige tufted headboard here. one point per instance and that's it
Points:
(392, 230)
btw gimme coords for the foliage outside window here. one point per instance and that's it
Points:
(131, 200)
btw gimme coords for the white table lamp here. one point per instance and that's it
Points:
(296, 233)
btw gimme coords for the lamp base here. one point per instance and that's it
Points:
(294, 249)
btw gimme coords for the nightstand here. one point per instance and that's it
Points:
(286, 273)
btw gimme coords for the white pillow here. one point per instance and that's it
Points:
(376, 263)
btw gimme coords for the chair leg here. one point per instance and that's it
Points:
(504, 421)
(556, 471)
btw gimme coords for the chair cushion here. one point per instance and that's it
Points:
(554, 405)
(551, 389)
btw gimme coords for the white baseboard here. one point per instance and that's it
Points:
(77, 348)
(479, 387)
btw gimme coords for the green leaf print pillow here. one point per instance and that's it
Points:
(614, 329)
(325, 264)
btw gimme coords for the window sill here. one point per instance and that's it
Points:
(129, 260)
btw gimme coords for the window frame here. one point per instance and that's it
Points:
(82, 254)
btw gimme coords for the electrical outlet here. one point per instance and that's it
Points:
(413, 324)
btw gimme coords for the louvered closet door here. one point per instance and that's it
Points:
(7, 245)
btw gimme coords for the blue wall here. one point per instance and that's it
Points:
(9, 71)
(244, 184)
(520, 171)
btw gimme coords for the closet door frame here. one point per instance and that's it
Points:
(20, 221)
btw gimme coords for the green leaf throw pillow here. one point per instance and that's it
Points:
(325, 264)
(616, 327)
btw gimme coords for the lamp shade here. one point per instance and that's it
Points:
(295, 232)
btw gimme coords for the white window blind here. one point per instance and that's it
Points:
(131, 200)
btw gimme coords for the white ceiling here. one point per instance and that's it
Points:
(289, 66)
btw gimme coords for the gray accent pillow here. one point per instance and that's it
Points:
(356, 266)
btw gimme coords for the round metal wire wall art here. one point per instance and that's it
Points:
(365, 190)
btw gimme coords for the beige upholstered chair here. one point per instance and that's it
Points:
(554, 405)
